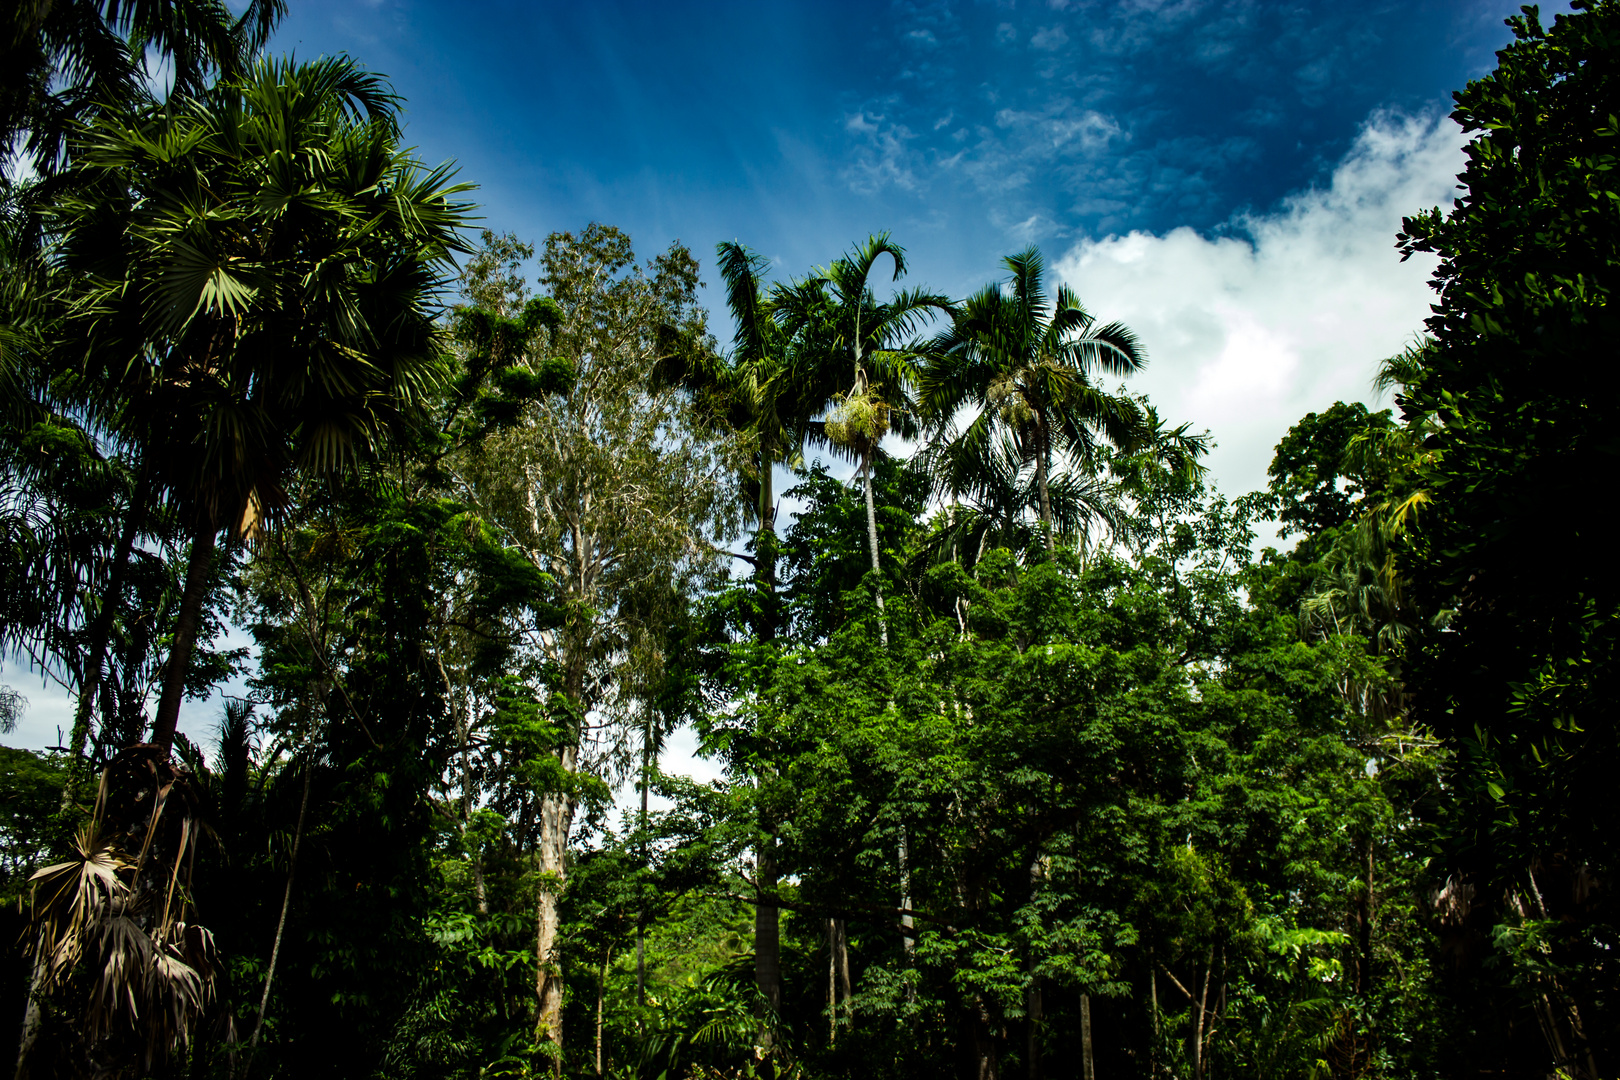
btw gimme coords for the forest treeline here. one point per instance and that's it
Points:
(1033, 763)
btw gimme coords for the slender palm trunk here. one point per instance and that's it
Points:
(872, 544)
(1043, 470)
(767, 951)
(199, 568)
(281, 922)
(767, 916)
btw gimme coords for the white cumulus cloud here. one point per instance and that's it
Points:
(1247, 333)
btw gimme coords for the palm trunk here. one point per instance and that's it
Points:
(1043, 468)
(767, 916)
(198, 570)
(281, 922)
(767, 951)
(872, 545)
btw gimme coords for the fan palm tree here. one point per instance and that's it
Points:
(254, 270)
(835, 318)
(1027, 365)
(61, 59)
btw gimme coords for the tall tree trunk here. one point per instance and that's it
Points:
(1088, 1070)
(463, 714)
(846, 985)
(198, 570)
(1364, 972)
(767, 950)
(641, 905)
(982, 1041)
(1033, 1002)
(601, 993)
(872, 544)
(832, 982)
(281, 922)
(33, 1013)
(908, 939)
(767, 916)
(1200, 1009)
(1153, 998)
(556, 822)
(1043, 469)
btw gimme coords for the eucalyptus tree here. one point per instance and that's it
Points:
(1027, 364)
(254, 272)
(612, 491)
(835, 316)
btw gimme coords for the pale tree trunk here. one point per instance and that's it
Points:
(908, 938)
(1201, 1019)
(1043, 467)
(641, 912)
(198, 570)
(463, 713)
(601, 993)
(832, 982)
(872, 545)
(33, 1015)
(556, 822)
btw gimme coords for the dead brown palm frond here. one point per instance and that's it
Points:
(71, 897)
(113, 918)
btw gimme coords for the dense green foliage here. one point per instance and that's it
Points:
(1028, 763)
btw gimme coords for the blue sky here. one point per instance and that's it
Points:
(1095, 129)
(967, 129)
(1225, 177)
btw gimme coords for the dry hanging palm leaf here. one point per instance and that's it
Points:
(112, 918)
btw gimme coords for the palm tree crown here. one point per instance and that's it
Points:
(1027, 365)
